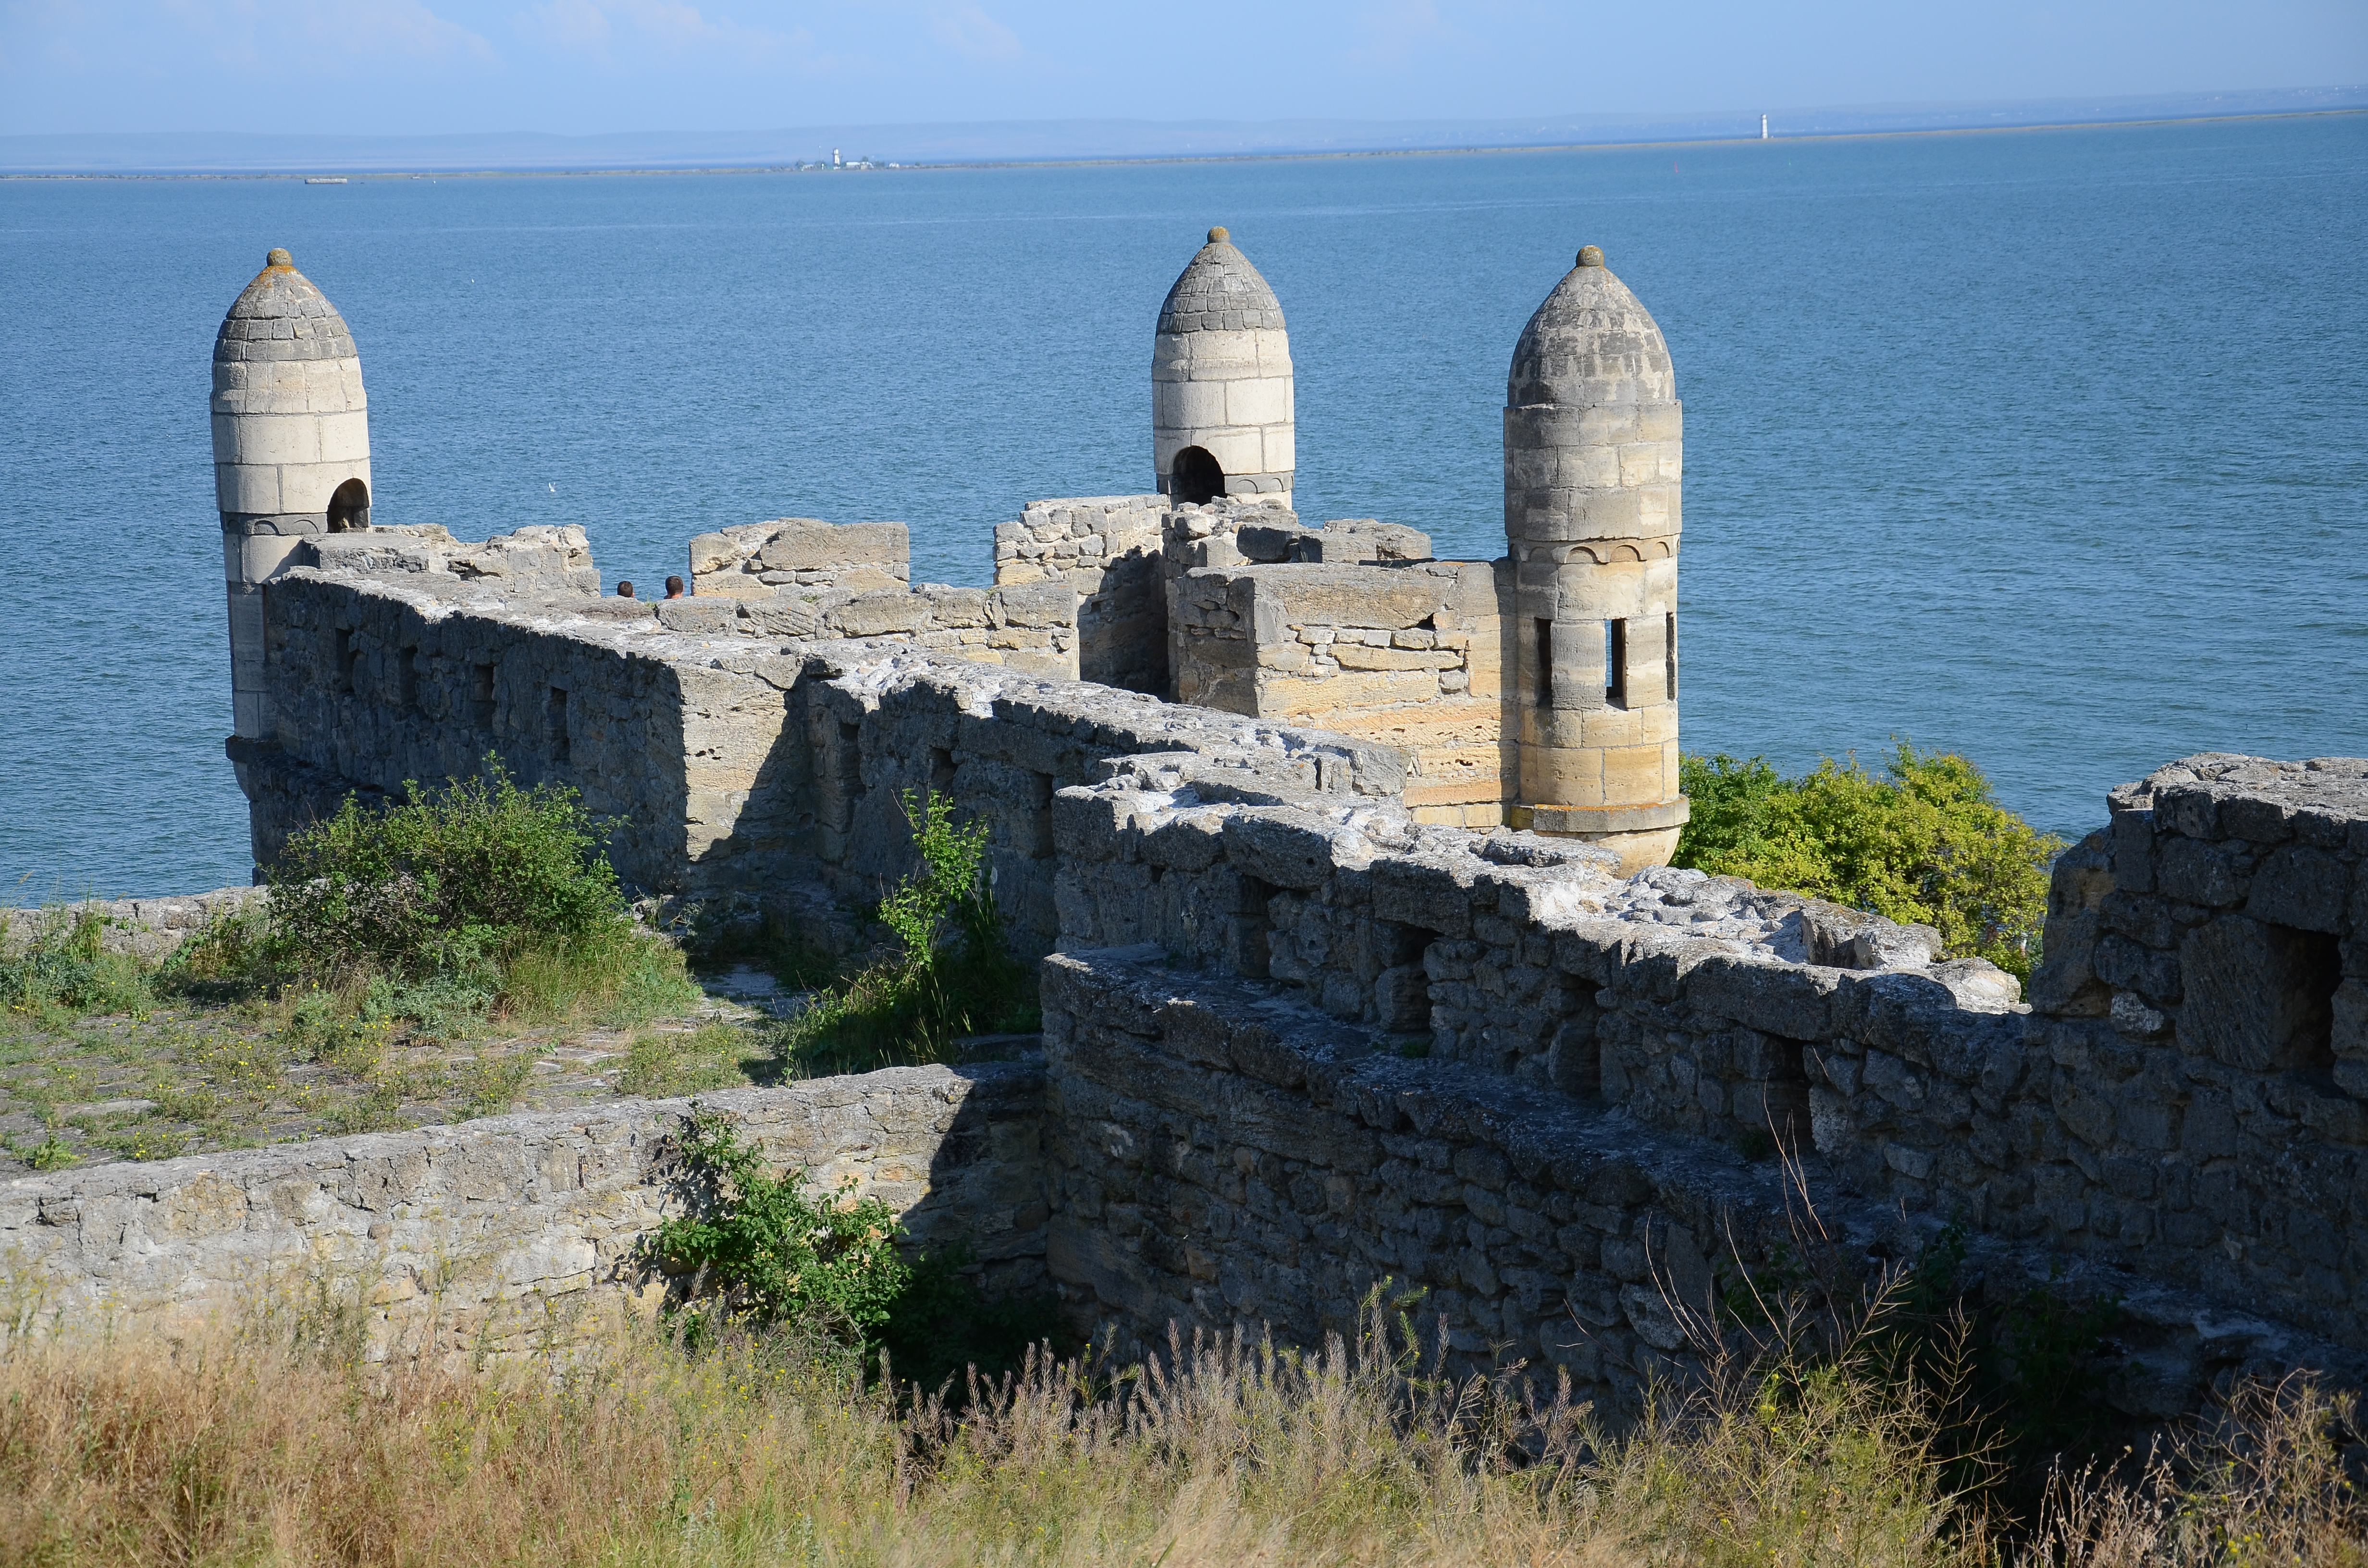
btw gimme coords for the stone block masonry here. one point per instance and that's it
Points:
(2184, 1103)
(514, 1232)
(758, 559)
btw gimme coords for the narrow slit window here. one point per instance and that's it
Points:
(408, 694)
(480, 698)
(1669, 650)
(345, 661)
(1615, 663)
(559, 744)
(1543, 683)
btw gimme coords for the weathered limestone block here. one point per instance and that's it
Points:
(754, 559)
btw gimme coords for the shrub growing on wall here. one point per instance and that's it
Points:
(1927, 843)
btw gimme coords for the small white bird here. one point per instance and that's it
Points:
(552, 488)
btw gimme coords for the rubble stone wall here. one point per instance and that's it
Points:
(2200, 1036)
(739, 744)
(1108, 549)
(512, 1232)
(758, 559)
(2221, 1151)
(1220, 1152)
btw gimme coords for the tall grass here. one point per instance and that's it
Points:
(278, 1449)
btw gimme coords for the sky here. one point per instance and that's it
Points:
(578, 67)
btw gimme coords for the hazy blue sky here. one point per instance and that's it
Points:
(579, 66)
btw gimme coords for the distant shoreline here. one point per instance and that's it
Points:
(941, 165)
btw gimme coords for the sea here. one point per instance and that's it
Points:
(2045, 447)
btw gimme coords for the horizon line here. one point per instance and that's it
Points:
(728, 164)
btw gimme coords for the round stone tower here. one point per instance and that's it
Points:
(291, 450)
(1221, 401)
(1593, 444)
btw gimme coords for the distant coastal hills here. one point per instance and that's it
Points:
(1063, 141)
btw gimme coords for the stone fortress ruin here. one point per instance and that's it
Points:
(1346, 869)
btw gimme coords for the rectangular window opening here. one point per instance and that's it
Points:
(1402, 993)
(346, 658)
(1040, 816)
(480, 698)
(942, 770)
(408, 675)
(2305, 1003)
(1543, 681)
(1248, 936)
(1615, 663)
(559, 740)
(1669, 650)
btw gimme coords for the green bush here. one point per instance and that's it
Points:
(776, 1254)
(453, 905)
(441, 880)
(952, 975)
(1929, 845)
(59, 966)
(827, 1266)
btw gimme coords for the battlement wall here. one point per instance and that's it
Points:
(741, 744)
(2191, 1111)
(1220, 1152)
(1411, 655)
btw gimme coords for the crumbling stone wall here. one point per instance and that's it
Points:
(145, 927)
(1108, 549)
(2223, 1158)
(740, 744)
(515, 1231)
(758, 559)
(2200, 1036)
(1221, 1154)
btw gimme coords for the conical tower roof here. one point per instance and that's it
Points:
(1219, 291)
(281, 315)
(1591, 343)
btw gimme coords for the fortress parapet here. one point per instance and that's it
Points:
(1321, 1007)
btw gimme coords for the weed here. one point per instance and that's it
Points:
(60, 970)
(50, 1154)
(954, 975)
(439, 881)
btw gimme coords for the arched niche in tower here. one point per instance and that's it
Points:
(349, 508)
(1196, 476)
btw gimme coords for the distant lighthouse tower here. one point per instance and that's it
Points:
(1220, 387)
(1763, 127)
(1593, 458)
(291, 451)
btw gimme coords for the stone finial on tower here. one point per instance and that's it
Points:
(1221, 388)
(1593, 457)
(291, 450)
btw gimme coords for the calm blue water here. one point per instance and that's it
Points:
(2049, 446)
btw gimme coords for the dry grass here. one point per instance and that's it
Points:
(258, 1447)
